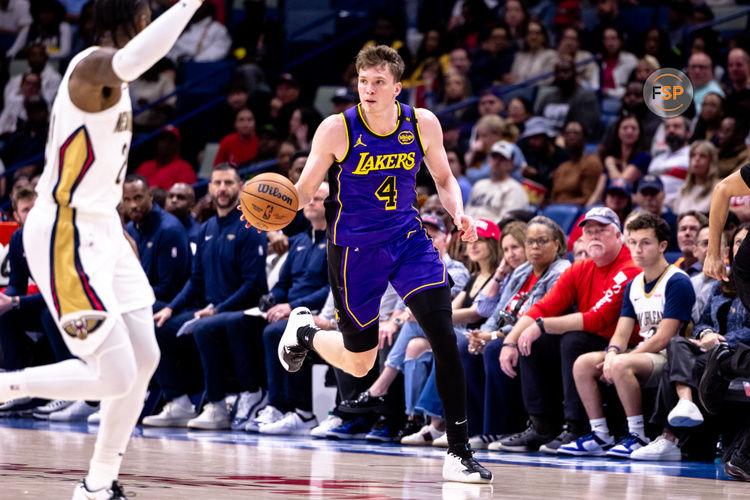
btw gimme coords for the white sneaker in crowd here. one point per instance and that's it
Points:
(43, 412)
(685, 414)
(214, 416)
(176, 413)
(331, 422)
(76, 412)
(660, 448)
(424, 436)
(95, 418)
(292, 424)
(247, 406)
(265, 416)
(441, 442)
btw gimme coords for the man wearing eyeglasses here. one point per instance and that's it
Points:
(549, 338)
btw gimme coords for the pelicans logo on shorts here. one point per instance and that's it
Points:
(83, 324)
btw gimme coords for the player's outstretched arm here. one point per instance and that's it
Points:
(329, 144)
(437, 163)
(733, 185)
(109, 67)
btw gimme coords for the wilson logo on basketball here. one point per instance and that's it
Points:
(275, 192)
(405, 138)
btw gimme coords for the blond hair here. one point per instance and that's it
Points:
(378, 55)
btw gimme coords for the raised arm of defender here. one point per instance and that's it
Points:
(733, 185)
(109, 67)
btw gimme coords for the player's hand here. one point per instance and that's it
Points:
(509, 360)
(466, 225)
(387, 329)
(528, 336)
(715, 267)
(278, 312)
(242, 218)
(162, 316)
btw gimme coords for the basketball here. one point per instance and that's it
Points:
(269, 201)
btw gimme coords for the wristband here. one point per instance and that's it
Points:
(610, 347)
(15, 302)
(497, 279)
(540, 323)
(703, 333)
(509, 344)
(493, 335)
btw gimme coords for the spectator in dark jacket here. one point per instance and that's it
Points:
(228, 275)
(160, 238)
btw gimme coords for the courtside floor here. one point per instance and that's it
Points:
(44, 460)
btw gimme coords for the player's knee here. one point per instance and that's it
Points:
(361, 363)
(120, 378)
(416, 347)
(148, 360)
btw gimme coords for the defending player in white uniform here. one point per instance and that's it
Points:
(660, 300)
(88, 274)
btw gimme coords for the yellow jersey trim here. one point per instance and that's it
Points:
(364, 122)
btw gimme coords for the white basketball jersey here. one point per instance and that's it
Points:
(649, 307)
(86, 154)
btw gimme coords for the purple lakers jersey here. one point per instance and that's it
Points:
(372, 198)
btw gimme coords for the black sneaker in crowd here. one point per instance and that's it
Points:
(738, 467)
(527, 441)
(565, 437)
(383, 431)
(365, 403)
(713, 386)
(409, 428)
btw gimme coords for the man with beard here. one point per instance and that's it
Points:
(672, 165)
(160, 238)
(595, 288)
(567, 101)
(228, 276)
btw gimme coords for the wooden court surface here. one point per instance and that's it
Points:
(47, 464)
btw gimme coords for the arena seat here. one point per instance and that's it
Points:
(564, 214)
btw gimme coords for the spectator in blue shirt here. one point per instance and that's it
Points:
(160, 238)
(228, 275)
(303, 281)
(180, 203)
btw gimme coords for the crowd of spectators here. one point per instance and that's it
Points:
(545, 306)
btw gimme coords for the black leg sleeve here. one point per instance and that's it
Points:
(432, 310)
(741, 272)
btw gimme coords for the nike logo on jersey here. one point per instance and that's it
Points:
(359, 142)
(209, 237)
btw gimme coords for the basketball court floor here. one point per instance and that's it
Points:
(44, 460)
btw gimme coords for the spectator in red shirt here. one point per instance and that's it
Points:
(595, 288)
(167, 168)
(241, 147)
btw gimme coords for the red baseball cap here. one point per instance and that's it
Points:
(171, 129)
(487, 229)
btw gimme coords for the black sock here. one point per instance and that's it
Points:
(458, 439)
(305, 336)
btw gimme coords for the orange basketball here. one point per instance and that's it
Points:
(269, 201)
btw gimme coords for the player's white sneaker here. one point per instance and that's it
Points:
(291, 353)
(213, 417)
(113, 492)
(292, 424)
(176, 413)
(464, 470)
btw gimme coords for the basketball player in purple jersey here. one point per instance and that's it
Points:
(371, 154)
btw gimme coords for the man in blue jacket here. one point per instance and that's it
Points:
(180, 202)
(228, 275)
(160, 238)
(21, 312)
(303, 281)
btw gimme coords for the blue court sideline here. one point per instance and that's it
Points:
(700, 470)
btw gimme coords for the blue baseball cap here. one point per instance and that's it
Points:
(650, 181)
(602, 215)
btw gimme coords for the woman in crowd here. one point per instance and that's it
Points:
(484, 258)
(569, 46)
(702, 176)
(536, 57)
(617, 64)
(624, 155)
(302, 125)
(707, 124)
(520, 110)
(494, 400)
(241, 147)
(516, 18)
